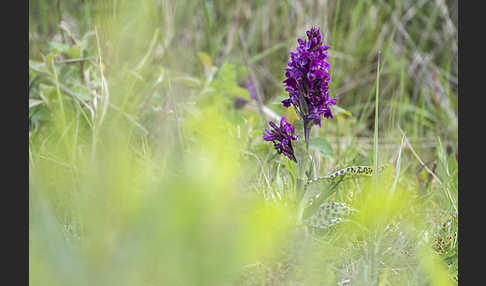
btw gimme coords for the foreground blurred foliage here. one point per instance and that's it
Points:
(124, 218)
(147, 165)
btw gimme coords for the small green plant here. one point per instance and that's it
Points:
(307, 84)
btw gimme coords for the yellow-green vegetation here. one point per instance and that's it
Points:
(147, 164)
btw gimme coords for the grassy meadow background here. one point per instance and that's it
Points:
(147, 164)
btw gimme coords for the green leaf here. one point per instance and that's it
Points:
(347, 173)
(328, 214)
(226, 82)
(57, 47)
(278, 99)
(47, 92)
(339, 110)
(269, 51)
(34, 102)
(322, 146)
(452, 163)
(37, 66)
(82, 93)
(75, 52)
(39, 114)
(205, 60)
(189, 81)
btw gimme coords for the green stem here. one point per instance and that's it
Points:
(307, 130)
(305, 167)
(376, 113)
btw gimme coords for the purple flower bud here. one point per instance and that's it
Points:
(282, 137)
(286, 102)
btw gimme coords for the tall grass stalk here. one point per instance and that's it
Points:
(375, 149)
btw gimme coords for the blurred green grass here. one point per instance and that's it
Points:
(144, 169)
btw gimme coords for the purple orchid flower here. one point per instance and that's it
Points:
(282, 137)
(307, 80)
